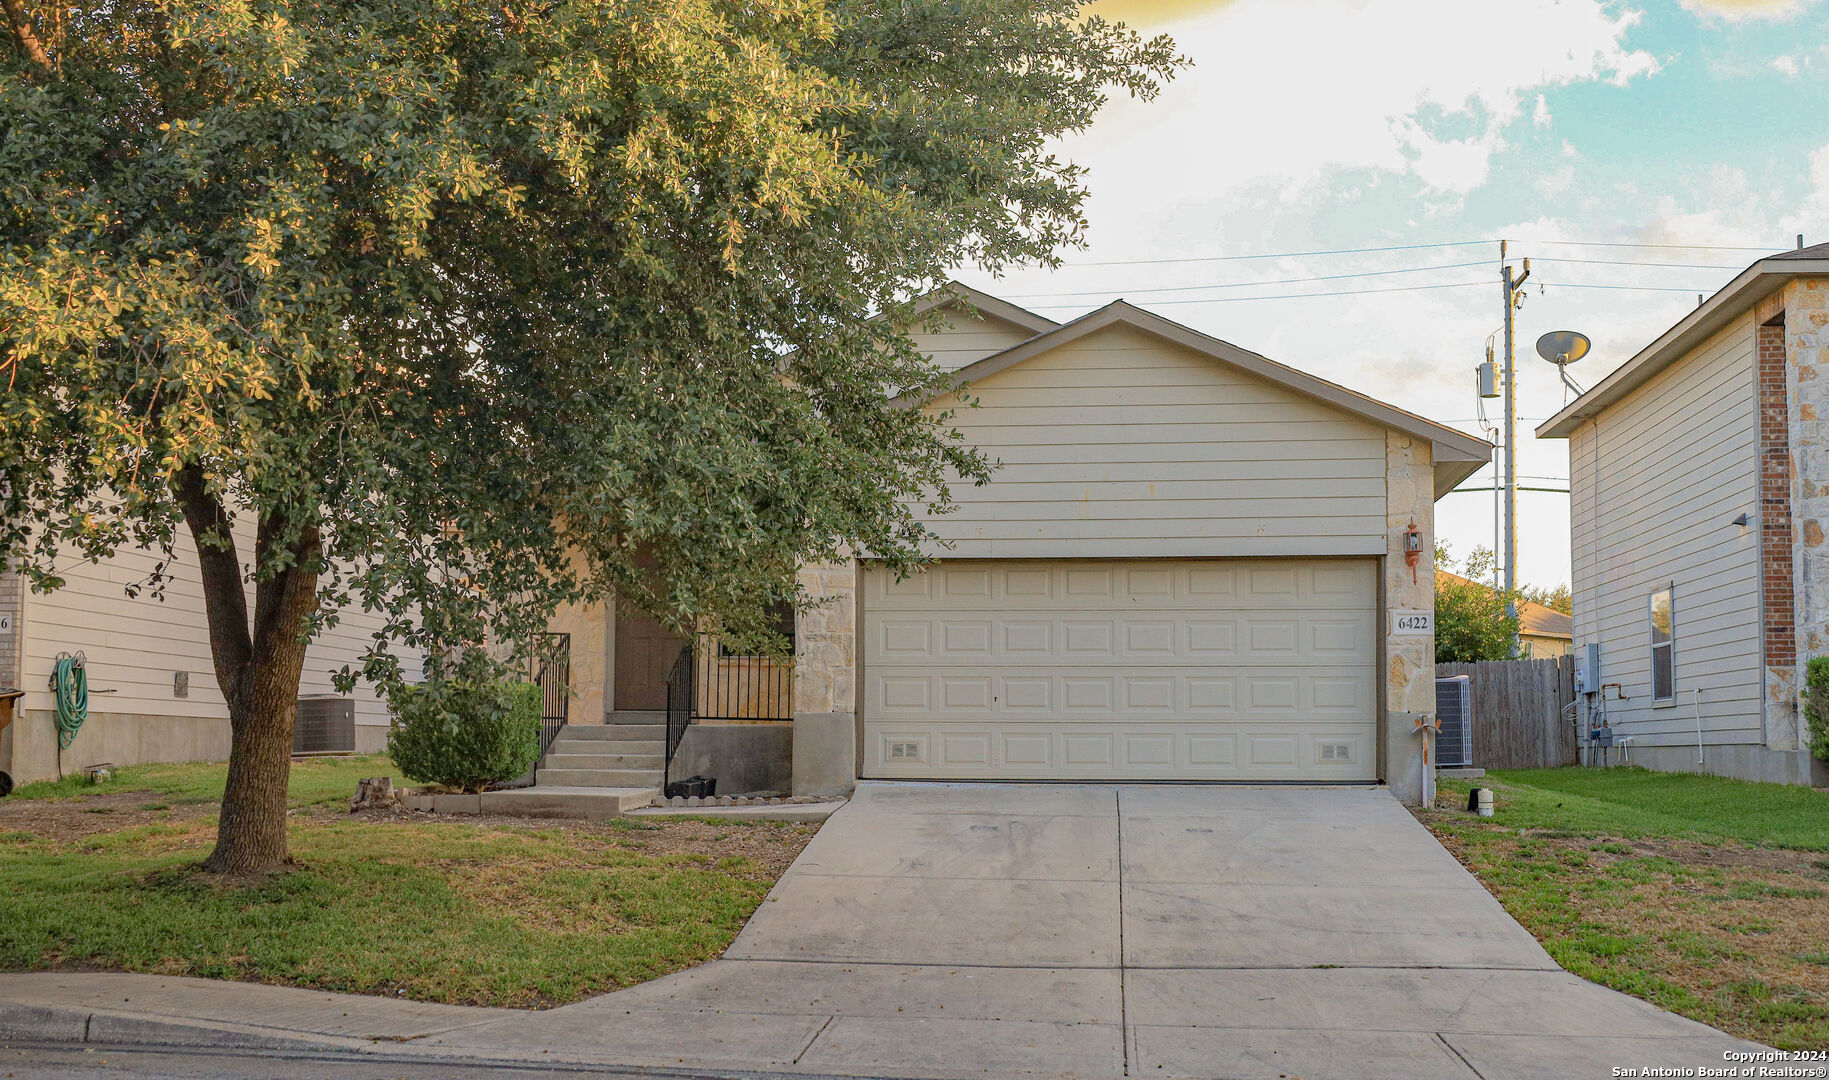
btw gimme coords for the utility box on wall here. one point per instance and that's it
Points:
(326, 724)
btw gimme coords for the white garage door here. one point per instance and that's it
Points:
(1232, 669)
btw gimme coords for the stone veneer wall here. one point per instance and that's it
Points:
(1806, 314)
(825, 681)
(12, 605)
(1409, 659)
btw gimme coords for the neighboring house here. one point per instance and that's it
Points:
(1699, 490)
(1188, 567)
(152, 685)
(1542, 632)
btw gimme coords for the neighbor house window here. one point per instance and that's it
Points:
(1663, 646)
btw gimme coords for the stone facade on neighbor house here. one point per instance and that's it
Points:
(1722, 418)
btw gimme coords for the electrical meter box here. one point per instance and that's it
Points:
(1587, 668)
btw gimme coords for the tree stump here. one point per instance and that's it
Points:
(374, 793)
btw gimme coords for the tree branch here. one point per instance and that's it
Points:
(225, 600)
(20, 22)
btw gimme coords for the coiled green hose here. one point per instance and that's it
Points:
(70, 684)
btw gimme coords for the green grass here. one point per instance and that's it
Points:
(1638, 803)
(1691, 921)
(445, 912)
(315, 781)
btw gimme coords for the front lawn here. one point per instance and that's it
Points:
(466, 911)
(1706, 896)
(315, 781)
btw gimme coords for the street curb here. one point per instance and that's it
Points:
(40, 1023)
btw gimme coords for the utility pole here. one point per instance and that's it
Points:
(1514, 292)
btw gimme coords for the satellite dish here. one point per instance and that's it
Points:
(1561, 347)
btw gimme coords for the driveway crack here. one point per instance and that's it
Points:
(1123, 1004)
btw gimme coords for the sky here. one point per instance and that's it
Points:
(1594, 136)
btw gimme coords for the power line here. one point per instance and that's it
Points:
(1672, 247)
(1640, 262)
(1294, 296)
(1628, 288)
(1249, 284)
(1277, 255)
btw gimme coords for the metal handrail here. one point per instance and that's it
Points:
(550, 665)
(679, 708)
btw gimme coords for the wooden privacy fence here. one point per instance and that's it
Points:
(1519, 720)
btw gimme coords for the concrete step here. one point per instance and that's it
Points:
(638, 716)
(597, 778)
(544, 800)
(586, 757)
(612, 732)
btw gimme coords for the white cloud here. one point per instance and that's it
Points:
(1738, 10)
(1786, 64)
(1540, 116)
(1286, 93)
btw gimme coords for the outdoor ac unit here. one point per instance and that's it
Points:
(326, 725)
(1454, 708)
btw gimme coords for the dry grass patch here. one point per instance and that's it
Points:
(1731, 934)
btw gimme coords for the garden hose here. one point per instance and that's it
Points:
(70, 684)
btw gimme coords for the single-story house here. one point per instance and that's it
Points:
(152, 684)
(1699, 493)
(1543, 632)
(1194, 563)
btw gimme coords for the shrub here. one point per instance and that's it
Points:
(1816, 705)
(465, 732)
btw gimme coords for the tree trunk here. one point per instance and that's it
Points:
(251, 833)
(257, 668)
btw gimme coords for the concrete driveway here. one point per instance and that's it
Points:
(1097, 930)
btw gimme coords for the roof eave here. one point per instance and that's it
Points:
(1752, 285)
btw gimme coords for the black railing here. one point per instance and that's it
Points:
(707, 682)
(737, 686)
(550, 666)
(679, 707)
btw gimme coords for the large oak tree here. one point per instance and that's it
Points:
(402, 302)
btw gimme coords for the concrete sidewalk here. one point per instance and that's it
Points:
(1086, 930)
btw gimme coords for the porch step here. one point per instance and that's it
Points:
(637, 716)
(546, 800)
(585, 756)
(612, 732)
(597, 778)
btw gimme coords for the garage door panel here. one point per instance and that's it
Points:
(1043, 584)
(1178, 752)
(1170, 669)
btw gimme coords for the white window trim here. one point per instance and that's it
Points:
(1670, 647)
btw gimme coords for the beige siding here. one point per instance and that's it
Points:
(134, 645)
(1655, 483)
(1120, 444)
(970, 337)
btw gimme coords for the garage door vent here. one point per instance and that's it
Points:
(904, 751)
(1454, 708)
(1336, 751)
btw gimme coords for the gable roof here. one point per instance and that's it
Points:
(1456, 454)
(1755, 283)
(1534, 620)
(956, 292)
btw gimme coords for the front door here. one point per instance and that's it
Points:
(645, 650)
